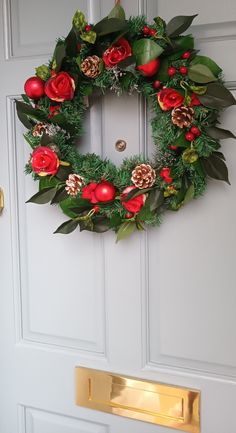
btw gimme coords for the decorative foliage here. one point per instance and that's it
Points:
(185, 91)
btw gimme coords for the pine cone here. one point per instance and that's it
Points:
(39, 129)
(91, 66)
(143, 176)
(74, 183)
(182, 116)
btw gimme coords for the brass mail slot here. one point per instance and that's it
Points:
(166, 405)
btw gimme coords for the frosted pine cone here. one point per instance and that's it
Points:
(91, 66)
(73, 184)
(182, 116)
(39, 129)
(143, 176)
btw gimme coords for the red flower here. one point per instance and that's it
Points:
(134, 204)
(194, 100)
(88, 192)
(60, 87)
(165, 174)
(44, 161)
(54, 109)
(169, 98)
(117, 52)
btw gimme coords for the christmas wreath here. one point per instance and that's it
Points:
(185, 90)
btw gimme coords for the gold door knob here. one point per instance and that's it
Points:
(1, 200)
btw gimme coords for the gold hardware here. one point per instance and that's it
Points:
(166, 405)
(1, 200)
(120, 145)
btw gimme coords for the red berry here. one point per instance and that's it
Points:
(34, 87)
(189, 136)
(186, 55)
(153, 32)
(88, 28)
(157, 84)
(195, 130)
(173, 147)
(183, 70)
(146, 30)
(171, 71)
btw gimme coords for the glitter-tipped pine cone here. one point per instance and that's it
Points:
(143, 176)
(182, 116)
(91, 66)
(74, 184)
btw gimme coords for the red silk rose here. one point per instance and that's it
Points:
(44, 161)
(134, 204)
(165, 174)
(169, 98)
(60, 87)
(117, 52)
(88, 192)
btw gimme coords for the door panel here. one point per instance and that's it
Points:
(159, 305)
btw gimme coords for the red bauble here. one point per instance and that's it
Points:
(186, 55)
(157, 84)
(105, 191)
(171, 71)
(34, 87)
(183, 70)
(150, 68)
(146, 30)
(195, 130)
(189, 136)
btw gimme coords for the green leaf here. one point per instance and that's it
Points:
(156, 199)
(189, 194)
(215, 168)
(146, 50)
(71, 44)
(25, 98)
(101, 224)
(160, 22)
(180, 45)
(217, 96)
(108, 26)
(48, 182)
(126, 63)
(162, 74)
(179, 24)
(59, 55)
(181, 141)
(201, 74)
(219, 133)
(74, 206)
(204, 60)
(60, 195)
(89, 37)
(63, 172)
(24, 120)
(67, 227)
(29, 111)
(125, 230)
(117, 12)
(43, 196)
(136, 192)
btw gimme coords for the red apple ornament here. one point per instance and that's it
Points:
(34, 87)
(105, 191)
(150, 68)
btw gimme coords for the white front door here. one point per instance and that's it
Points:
(160, 305)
